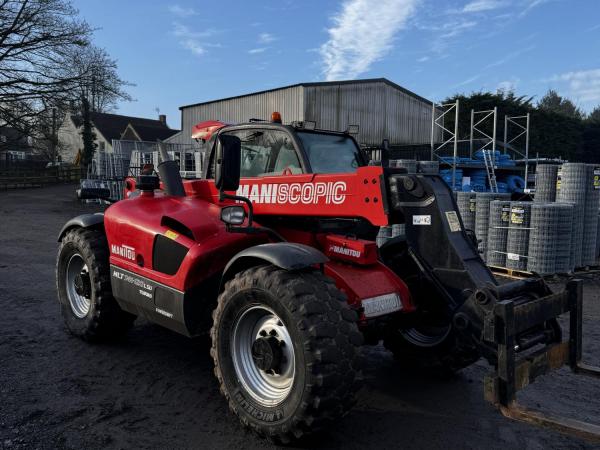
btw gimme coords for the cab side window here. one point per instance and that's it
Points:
(267, 153)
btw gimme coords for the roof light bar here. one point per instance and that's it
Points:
(352, 129)
(306, 125)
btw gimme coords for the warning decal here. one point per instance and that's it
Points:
(453, 221)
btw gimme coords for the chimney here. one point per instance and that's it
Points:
(163, 119)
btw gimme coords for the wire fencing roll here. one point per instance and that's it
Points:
(517, 240)
(590, 220)
(545, 182)
(498, 232)
(572, 187)
(409, 164)
(550, 238)
(430, 167)
(384, 235)
(598, 239)
(482, 217)
(466, 207)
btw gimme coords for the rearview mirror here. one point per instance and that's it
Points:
(228, 163)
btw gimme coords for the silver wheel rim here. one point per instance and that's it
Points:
(80, 304)
(268, 388)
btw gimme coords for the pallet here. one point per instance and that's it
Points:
(587, 270)
(521, 274)
(511, 273)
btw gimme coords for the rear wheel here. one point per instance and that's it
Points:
(83, 284)
(285, 347)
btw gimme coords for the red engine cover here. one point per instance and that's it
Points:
(349, 249)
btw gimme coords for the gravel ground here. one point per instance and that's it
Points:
(157, 389)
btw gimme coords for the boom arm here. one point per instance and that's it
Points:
(503, 321)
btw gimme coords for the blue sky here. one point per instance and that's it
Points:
(181, 52)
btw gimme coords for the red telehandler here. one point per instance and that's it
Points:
(273, 250)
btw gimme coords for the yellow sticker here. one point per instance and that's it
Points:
(171, 234)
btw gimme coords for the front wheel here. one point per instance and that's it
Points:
(429, 346)
(285, 347)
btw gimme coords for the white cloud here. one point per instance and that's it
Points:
(508, 85)
(483, 5)
(530, 4)
(181, 11)
(260, 66)
(362, 33)
(193, 40)
(444, 31)
(266, 38)
(467, 81)
(423, 59)
(594, 28)
(583, 85)
(193, 46)
(254, 51)
(456, 28)
(509, 57)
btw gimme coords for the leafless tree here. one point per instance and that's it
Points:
(97, 78)
(35, 38)
(47, 65)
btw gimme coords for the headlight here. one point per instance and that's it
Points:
(233, 215)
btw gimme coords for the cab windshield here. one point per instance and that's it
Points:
(331, 153)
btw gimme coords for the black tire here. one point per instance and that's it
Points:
(325, 339)
(439, 355)
(104, 319)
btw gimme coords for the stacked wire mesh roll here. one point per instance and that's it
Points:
(430, 167)
(466, 207)
(498, 232)
(398, 230)
(384, 235)
(517, 239)
(598, 240)
(387, 233)
(590, 220)
(572, 187)
(409, 164)
(550, 238)
(482, 217)
(545, 182)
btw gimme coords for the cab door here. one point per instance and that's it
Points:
(268, 152)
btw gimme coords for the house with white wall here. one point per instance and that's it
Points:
(109, 127)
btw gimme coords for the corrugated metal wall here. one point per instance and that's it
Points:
(289, 102)
(380, 110)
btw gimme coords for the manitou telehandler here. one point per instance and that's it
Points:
(273, 250)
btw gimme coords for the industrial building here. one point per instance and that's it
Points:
(381, 108)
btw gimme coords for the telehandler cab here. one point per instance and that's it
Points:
(274, 252)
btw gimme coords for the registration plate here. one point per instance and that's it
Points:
(380, 305)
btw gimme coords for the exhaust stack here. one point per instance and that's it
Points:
(169, 173)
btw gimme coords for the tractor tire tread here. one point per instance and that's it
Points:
(330, 338)
(108, 321)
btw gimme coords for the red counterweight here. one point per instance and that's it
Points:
(357, 251)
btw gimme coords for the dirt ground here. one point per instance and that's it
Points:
(157, 389)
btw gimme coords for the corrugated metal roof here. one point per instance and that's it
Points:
(316, 84)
